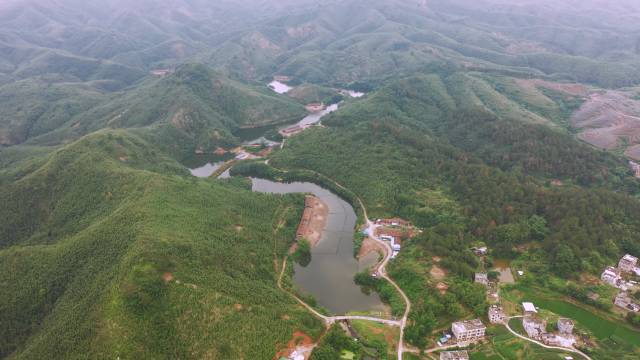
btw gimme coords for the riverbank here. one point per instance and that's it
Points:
(313, 222)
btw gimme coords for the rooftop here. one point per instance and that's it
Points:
(630, 258)
(469, 324)
(529, 307)
(565, 321)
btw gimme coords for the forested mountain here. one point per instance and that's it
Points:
(194, 104)
(108, 251)
(477, 124)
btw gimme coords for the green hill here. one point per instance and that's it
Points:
(109, 250)
(193, 107)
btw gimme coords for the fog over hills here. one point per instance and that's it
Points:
(506, 125)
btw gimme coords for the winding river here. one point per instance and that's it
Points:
(329, 276)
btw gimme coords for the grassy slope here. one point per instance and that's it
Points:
(87, 241)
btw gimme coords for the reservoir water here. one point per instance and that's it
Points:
(329, 276)
(206, 170)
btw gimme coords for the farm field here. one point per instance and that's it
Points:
(600, 327)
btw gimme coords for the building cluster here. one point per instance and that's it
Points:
(536, 328)
(394, 231)
(468, 331)
(614, 276)
(624, 301)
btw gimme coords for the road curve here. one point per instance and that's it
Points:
(381, 270)
(575, 351)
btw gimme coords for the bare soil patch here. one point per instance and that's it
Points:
(442, 287)
(608, 120)
(300, 342)
(167, 277)
(369, 245)
(569, 89)
(314, 220)
(437, 272)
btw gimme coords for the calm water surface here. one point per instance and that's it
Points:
(329, 276)
(206, 170)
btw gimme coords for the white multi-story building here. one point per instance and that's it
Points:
(469, 330)
(628, 263)
(611, 276)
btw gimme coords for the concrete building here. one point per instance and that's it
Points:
(534, 326)
(563, 340)
(624, 301)
(496, 314)
(627, 263)
(469, 330)
(482, 278)
(529, 308)
(565, 326)
(611, 276)
(454, 355)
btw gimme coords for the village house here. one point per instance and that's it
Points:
(564, 340)
(292, 130)
(628, 263)
(454, 355)
(611, 276)
(534, 326)
(565, 326)
(529, 308)
(624, 301)
(482, 278)
(468, 330)
(480, 251)
(496, 314)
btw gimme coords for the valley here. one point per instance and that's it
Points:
(319, 180)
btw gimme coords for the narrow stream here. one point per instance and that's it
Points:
(329, 276)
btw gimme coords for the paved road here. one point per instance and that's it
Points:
(575, 351)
